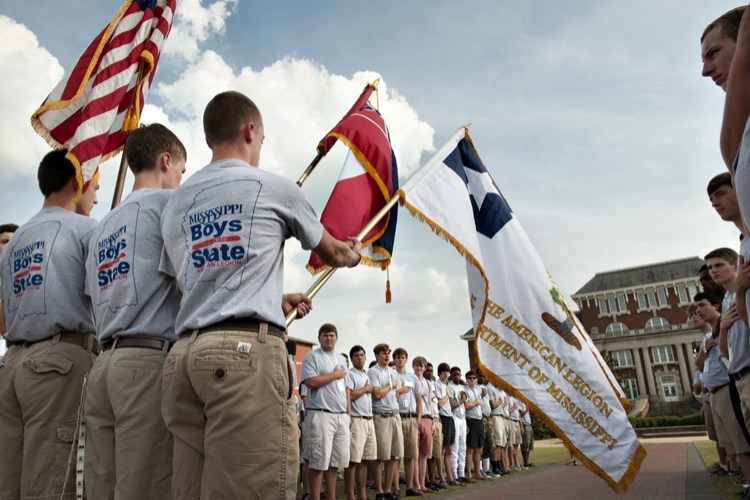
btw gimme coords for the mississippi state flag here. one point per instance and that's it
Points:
(99, 100)
(367, 182)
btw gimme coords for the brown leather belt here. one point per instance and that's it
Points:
(141, 342)
(363, 418)
(408, 415)
(84, 340)
(243, 325)
(740, 374)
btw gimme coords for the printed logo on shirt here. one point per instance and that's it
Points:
(218, 236)
(28, 260)
(114, 251)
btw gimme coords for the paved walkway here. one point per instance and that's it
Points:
(670, 471)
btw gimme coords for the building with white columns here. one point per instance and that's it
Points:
(639, 315)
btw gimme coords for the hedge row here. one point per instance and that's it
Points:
(696, 419)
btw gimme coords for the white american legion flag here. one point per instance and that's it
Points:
(527, 340)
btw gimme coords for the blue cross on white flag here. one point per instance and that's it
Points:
(527, 339)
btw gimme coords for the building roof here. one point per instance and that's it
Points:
(303, 341)
(643, 275)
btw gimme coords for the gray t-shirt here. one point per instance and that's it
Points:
(472, 395)
(513, 415)
(433, 398)
(741, 169)
(497, 397)
(332, 396)
(454, 390)
(407, 402)
(738, 340)
(381, 377)
(355, 380)
(224, 231)
(441, 390)
(526, 418)
(714, 373)
(44, 270)
(427, 398)
(486, 409)
(130, 296)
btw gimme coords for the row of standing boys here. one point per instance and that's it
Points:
(367, 420)
(164, 323)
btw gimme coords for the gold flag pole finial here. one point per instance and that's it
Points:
(377, 92)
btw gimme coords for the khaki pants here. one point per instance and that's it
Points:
(128, 447)
(40, 392)
(232, 416)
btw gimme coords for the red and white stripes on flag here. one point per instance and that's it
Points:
(99, 100)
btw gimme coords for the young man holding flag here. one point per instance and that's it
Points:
(224, 231)
(50, 335)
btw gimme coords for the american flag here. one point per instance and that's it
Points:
(99, 100)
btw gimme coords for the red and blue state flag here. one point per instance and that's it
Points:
(368, 180)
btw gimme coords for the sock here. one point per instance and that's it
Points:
(485, 464)
(723, 466)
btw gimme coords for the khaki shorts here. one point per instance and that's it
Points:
(389, 435)
(727, 428)
(411, 437)
(437, 439)
(743, 387)
(425, 437)
(501, 439)
(708, 415)
(515, 432)
(328, 440)
(363, 445)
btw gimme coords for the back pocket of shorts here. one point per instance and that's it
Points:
(49, 364)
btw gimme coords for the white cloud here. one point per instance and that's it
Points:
(31, 73)
(194, 24)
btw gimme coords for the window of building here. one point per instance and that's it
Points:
(656, 324)
(602, 305)
(662, 294)
(622, 358)
(612, 305)
(621, 303)
(651, 298)
(630, 387)
(662, 354)
(594, 330)
(692, 290)
(682, 293)
(641, 300)
(616, 330)
(690, 322)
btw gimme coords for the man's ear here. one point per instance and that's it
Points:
(165, 162)
(247, 131)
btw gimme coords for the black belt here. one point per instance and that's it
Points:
(326, 411)
(714, 391)
(427, 416)
(387, 415)
(408, 415)
(365, 418)
(145, 343)
(243, 325)
(741, 373)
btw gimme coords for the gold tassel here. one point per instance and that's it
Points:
(388, 286)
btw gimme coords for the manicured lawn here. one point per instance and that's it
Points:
(725, 484)
(541, 457)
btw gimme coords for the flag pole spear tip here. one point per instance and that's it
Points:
(375, 83)
(465, 127)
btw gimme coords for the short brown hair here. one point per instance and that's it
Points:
(419, 360)
(381, 348)
(401, 352)
(727, 254)
(147, 142)
(691, 310)
(729, 22)
(723, 179)
(8, 228)
(225, 115)
(327, 328)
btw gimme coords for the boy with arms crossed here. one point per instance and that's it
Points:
(363, 447)
(426, 429)
(410, 409)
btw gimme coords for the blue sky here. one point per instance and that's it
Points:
(591, 116)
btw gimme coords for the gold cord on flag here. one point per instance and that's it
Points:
(388, 284)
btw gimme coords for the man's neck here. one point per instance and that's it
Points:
(61, 201)
(729, 286)
(327, 351)
(705, 328)
(230, 151)
(148, 180)
(383, 367)
(361, 369)
(401, 370)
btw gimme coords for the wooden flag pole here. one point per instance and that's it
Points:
(120, 185)
(329, 272)
(310, 168)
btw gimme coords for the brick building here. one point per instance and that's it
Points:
(639, 315)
